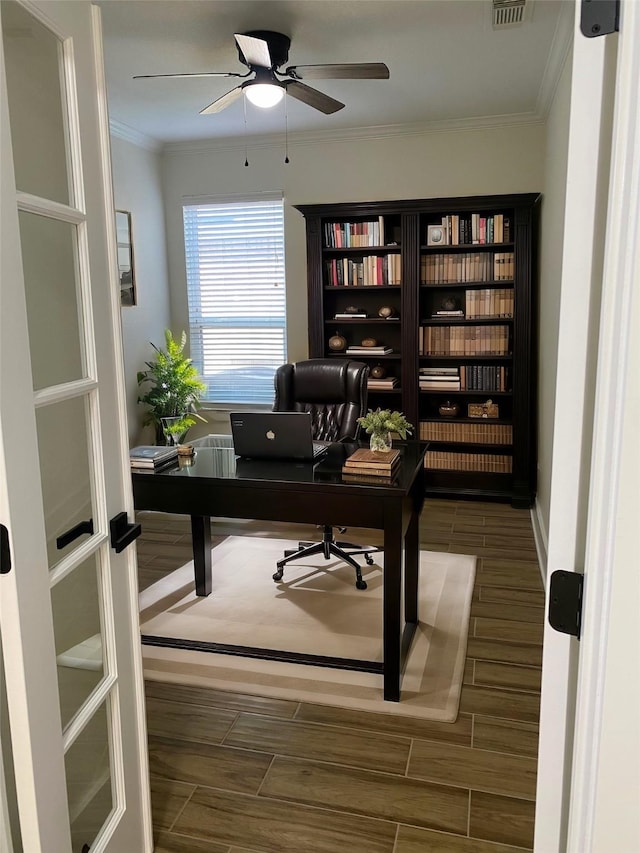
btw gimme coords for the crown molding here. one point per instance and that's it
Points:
(353, 134)
(560, 51)
(135, 137)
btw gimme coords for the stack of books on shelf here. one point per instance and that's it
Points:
(350, 315)
(338, 235)
(476, 228)
(481, 377)
(360, 350)
(369, 271)
(149, 457)
(439, 379)
(467, 266)
(492, 463)
(464, 340)
(495, 302)
(372, 466)
(382, 384)
(456, 312)
(476, 433)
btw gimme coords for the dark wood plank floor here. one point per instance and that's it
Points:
(241, 774)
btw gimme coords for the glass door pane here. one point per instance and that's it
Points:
(35, 86)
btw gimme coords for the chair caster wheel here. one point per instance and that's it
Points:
(361, 584)
(277, 576)
(368, 559)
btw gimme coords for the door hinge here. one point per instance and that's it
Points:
(565, 602)
(599, 17)
(5, 551)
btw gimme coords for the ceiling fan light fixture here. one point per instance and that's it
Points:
(264, 95)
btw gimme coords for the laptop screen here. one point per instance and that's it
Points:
(274, 435)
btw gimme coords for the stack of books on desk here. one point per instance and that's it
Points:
(149, 457)
(372, 466)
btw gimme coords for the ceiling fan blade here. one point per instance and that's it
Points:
(349, 71)
(254, 50)
(222, 102)
(193, 74)
(312, 97)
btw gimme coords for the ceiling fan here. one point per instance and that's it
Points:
(264, 53)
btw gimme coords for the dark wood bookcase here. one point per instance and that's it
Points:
(474, 256)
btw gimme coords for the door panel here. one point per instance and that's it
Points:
(65, 472)
(89, 780)
(38, 126)
(68, 609)
(76, 606)
(50, 263)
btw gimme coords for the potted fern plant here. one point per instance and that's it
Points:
(173, 391)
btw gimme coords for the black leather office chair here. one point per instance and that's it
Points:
(334, 391)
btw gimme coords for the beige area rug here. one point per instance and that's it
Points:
(315, 609)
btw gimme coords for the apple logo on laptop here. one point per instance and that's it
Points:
(270, 434)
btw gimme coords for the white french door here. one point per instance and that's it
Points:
(587, 775)
(68, 597)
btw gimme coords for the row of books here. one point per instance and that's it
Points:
(464, 340)
(345, 235)
(149, 457)
(466, 377)
(449, 461)
(476, 228)
(378, 350)
(370, 271)
(475, 433)
(372, 465)
(486, 304)
(451, 268)
(496, 302)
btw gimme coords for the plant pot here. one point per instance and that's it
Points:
(168, 428)
(380, 441)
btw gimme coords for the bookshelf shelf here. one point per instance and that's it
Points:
(367, 320)
(462, 321)
(492, 282)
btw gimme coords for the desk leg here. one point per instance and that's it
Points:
(411, 569)
(392, 580)
(201, 541)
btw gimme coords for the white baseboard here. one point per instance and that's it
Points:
(541, 539)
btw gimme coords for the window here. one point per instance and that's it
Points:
(236, 292)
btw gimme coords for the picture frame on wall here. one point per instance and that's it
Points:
(125, 259)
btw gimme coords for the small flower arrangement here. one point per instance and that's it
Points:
(380, 423)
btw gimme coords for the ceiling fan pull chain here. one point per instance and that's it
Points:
(244, 106)
(286, 129)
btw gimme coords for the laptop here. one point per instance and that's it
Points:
(275, 435)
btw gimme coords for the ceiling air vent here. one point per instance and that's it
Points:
(510, 13)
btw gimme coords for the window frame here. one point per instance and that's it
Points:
(194, 291)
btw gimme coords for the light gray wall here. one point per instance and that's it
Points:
(550, 266)
(428, 165)
(137, 183)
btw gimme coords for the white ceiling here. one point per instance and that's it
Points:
(447, 64)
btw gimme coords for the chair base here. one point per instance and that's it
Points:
(329, 548)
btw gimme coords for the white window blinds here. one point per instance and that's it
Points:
(236, 292)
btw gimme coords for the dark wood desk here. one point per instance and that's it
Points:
(214, 485)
